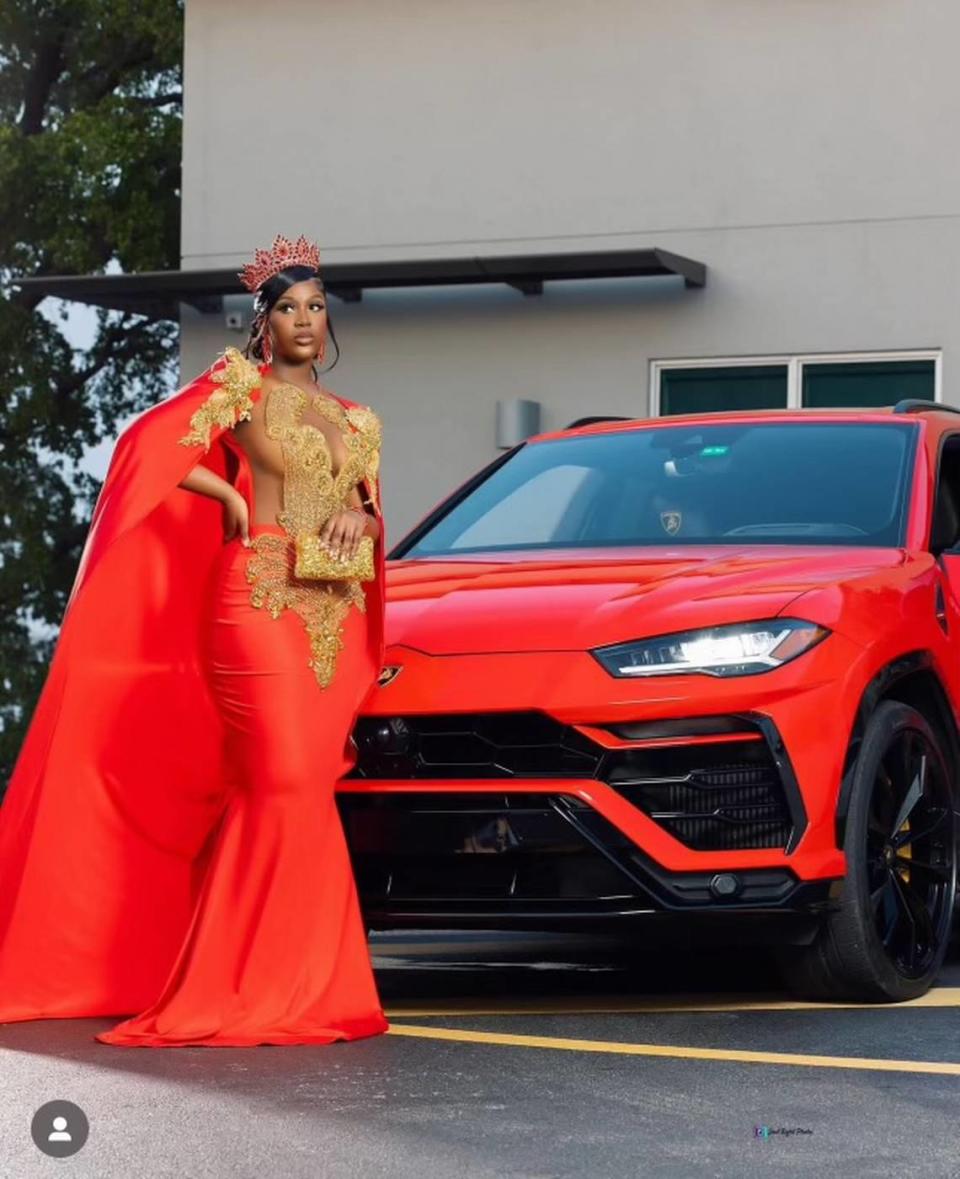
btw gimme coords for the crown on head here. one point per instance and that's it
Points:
(283, 253)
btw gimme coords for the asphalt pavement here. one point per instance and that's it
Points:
(528, 1056)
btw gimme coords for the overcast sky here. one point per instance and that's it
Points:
(80, 328)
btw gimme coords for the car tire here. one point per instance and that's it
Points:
(862, 950)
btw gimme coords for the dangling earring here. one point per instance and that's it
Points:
(261, 342)
(266, 347)
(319, 356)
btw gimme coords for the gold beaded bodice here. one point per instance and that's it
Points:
(312, 491)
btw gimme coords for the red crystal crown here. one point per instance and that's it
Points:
(283, 252)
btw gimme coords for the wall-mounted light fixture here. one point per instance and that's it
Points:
(517, 419)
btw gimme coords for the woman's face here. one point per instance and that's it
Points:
(298, 322)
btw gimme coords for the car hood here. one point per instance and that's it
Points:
(572, 601)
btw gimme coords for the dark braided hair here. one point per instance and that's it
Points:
(266, 297)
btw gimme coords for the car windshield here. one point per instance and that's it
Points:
(831, 483)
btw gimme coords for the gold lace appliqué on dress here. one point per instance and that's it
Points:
(322, 605)
(370, 437)
(228, 405)
(311, 494)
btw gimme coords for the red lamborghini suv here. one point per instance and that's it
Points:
(697, 673)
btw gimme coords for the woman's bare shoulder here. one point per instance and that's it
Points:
(270, 380)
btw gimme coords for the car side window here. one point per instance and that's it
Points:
(945, 526)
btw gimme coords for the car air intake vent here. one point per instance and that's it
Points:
(472, 745)
(721, 796)
(714, 787)
(461, 850)
(732, 776)
(690, 726)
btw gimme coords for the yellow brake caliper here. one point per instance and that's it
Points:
(905, 852)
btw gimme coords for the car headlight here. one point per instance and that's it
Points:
(745, 648)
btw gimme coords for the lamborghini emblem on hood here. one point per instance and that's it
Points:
(388, 674)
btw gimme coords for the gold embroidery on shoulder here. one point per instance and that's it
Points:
(228, 405)
(321, 605)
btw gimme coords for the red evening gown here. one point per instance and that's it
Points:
(170, 846)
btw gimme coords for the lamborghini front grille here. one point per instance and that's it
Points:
(713, 783)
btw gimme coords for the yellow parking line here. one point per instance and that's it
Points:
(733, 1055)
(937, 997)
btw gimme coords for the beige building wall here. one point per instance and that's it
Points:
(798, 148)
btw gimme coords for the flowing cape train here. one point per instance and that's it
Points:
(118, 788)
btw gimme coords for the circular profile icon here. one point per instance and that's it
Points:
(59, 1128)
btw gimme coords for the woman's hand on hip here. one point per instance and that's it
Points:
(236, 521)
(236, 514)
(342, 532)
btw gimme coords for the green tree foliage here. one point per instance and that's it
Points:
(90, 106)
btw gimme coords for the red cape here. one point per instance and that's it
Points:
(118, 787)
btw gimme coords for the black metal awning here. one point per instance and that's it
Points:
(159, 293)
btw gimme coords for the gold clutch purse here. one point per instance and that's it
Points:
(315, 563)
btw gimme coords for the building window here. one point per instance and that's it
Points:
(700, 390)
(791, 382)
(867, 382)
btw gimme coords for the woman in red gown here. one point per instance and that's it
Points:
(170, 847)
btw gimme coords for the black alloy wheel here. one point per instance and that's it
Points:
(887, 940)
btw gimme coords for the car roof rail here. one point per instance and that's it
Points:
(917, 405)
(601, 418)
